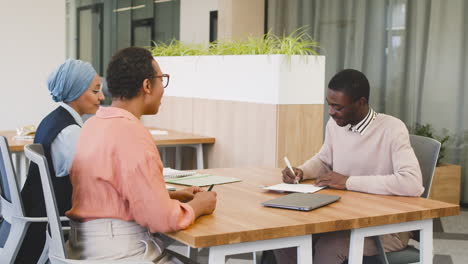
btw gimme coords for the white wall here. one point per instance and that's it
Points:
(195, 20)
(32, 44)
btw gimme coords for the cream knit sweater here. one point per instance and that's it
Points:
(380, 161)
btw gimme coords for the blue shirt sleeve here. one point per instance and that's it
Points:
(63, 149)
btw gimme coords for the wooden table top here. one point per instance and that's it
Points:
(240, 217)
(172, 138)
(176, 138)
(15, 144)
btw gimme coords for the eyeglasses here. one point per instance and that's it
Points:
(164, 79)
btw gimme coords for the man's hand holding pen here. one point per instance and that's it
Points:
(289, 177)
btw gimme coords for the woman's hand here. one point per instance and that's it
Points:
(203, 203)
(185, 195)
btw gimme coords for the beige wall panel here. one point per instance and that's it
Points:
(300, 132)
(239, 19)
(175, 113)
(245, 132)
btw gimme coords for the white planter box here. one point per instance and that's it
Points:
(268, 79)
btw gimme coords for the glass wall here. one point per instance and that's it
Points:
(98, 28)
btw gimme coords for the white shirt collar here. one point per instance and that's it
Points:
(72, 112)
(362, 126)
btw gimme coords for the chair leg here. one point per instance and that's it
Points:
(380, 248)
(45, 253)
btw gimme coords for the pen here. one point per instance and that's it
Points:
(211, 187)
(290, 168)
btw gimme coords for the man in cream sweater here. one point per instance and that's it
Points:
(363, 151)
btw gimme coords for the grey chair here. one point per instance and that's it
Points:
(14, 224)
(55, 239)
(427, 151)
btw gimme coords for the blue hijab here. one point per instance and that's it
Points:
(70, 80)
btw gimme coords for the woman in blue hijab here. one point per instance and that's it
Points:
(77, 88)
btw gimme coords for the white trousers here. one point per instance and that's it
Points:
(112, 239)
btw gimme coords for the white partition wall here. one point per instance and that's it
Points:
(267, 79)
(258, 107)
(32, 44)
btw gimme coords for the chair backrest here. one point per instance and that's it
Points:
(9, 187)
(427, 151)
(11, 208)
(35, 153)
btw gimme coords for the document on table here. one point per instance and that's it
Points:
(289, 187)
(170, 188)
(156, 132)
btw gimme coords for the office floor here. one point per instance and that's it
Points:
(451, 239)
(450, 242)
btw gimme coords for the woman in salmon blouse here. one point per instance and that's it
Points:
(119, 196)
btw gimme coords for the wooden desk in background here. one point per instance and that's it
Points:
(241, 224)
(171, 139)
(180, 139)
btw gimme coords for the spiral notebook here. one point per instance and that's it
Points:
(169, 173)
(202, 180)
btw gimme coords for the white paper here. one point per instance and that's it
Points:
(170, 187)
(289, 187)
(158, 132)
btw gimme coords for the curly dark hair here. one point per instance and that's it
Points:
(127, 70)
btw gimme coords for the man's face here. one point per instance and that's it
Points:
(341, 108)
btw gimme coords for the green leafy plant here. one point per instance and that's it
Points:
(428, 131)
(298, 42)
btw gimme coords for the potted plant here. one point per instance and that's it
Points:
(446, 180)
(261, 98)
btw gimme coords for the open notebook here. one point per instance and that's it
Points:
(202, 180)
(171, 173)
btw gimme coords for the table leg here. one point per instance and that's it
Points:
(303, 243)
(356, 247)
(163, 156)
(24, 169)
(426, 243)
(199, 149)
(20, 165)
(178, 157)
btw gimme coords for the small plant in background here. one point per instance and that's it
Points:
(428, 131)
(298, 42)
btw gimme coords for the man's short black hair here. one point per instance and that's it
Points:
(127, 70)
(352, 83)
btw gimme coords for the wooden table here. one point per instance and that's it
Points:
(241, 224)
(172, 139)
(19, 159)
